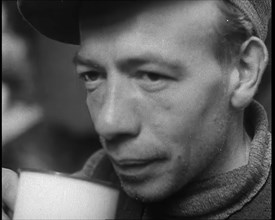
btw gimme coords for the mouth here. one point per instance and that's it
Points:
(136, 170)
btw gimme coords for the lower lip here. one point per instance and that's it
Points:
(137, 172)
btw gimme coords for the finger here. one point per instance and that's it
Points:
(9, 187)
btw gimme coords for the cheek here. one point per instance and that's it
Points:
(191, 122)
(91, 107)
(94, 101)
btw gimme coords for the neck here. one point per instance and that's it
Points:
(235, 150)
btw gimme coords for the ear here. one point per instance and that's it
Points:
(253, 58)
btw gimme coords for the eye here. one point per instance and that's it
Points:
(90, 76)
(153, 81)
(151, 76)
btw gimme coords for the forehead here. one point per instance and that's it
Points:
(110, 13)
(157, 20)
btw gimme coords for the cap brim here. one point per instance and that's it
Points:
(59, 19)
(56, 19)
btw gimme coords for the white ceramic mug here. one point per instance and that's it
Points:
(52, 195)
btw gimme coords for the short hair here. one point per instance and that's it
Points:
(232, 29)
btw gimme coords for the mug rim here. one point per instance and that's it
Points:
(67, 175)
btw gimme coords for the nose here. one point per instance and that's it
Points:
(117, 117)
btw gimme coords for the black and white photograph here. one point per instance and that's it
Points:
(136, 110)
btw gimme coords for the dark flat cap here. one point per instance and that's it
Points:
(58, 19)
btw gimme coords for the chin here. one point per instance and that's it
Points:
(146, 192)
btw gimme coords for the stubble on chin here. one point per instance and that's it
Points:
(145, 192)
(134, 190)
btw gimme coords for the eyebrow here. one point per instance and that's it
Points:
(78, 59)
(135, 61)
(148, 58)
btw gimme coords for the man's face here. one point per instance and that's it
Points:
(157, 95)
